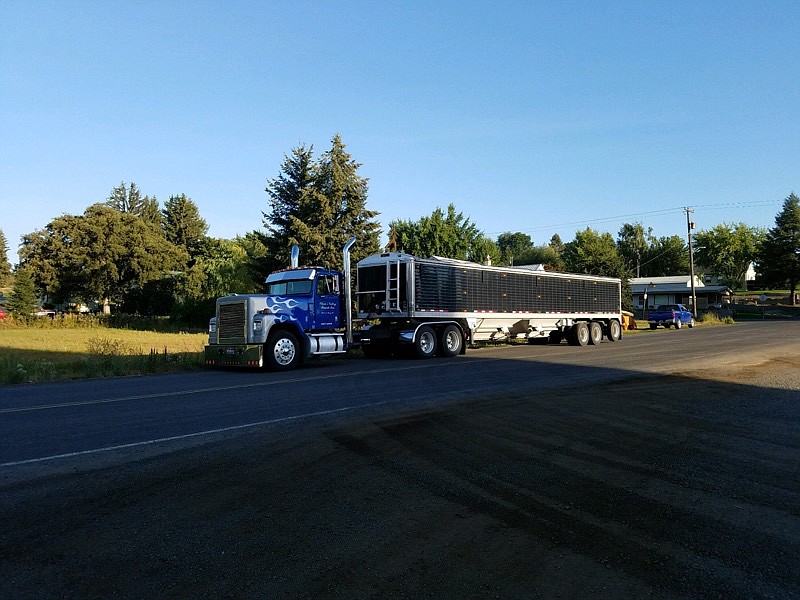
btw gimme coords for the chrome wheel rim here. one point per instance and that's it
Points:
(426, 342)
(284, 352)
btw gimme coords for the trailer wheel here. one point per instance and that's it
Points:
(555, 337)
(578, 334)
(425, 344)
(451, 341)
(283, 351)
(595, 333)
(614, 331)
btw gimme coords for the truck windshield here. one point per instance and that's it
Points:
(290, 288)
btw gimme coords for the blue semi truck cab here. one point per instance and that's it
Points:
(305, 312)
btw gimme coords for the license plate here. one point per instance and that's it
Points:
(230, 350)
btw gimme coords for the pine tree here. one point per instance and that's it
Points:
(285, 193)
(126, 199)
(319, 206)
(183, 225)
(5, 266)
(778, 259)
(23, 297)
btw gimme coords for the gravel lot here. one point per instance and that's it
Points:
(656, 487)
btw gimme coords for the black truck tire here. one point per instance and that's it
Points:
(595, 333)
(282, 351)
(425, 344)
(451, 342)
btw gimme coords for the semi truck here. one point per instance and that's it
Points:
(407, 305)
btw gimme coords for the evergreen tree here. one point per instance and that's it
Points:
(778, 257)
(183, 225)
(285, 192)
(151, 213)
(22, 303)
(319, 206)
(5, 266)
(129, 200)
(334, 210)
(126, 199)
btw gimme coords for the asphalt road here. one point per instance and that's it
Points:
(78, 425)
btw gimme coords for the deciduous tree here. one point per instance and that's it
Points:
(728, 250)
(100, 255)
(450, 235)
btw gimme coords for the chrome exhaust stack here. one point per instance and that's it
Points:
(295, 262)
(348, 293)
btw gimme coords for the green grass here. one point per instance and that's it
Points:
(40, 353)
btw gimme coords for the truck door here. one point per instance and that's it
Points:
(327, 314)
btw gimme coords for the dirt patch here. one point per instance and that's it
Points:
(659, 487)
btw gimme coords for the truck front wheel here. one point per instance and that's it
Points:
(283, 351)
(678, 324)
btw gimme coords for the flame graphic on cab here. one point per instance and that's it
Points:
(281, 307)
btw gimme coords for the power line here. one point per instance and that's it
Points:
(663, 211)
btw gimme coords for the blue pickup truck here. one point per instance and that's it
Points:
(670, 315)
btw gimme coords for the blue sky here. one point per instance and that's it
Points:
(540, 117)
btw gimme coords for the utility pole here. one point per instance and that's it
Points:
(689, 227)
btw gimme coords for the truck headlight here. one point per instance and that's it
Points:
(212, 326)
(258, 324)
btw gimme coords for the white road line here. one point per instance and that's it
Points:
(21, 409)
(187, 435)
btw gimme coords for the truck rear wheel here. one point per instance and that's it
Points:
(595, 333)
(283, 351)
(451, 341)
(578, 334)
(614, 330)
(425, 344)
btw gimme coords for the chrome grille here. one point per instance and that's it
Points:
(231, 323)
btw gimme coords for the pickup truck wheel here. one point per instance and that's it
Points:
(425, 344)
(614, 331)
(283, 351)
(691, 322)
(578, 334)
(595, 333)
(451, 341)
(678, 324)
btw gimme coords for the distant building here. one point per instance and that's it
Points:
(678, 290)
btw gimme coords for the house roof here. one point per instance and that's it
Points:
(674, 280)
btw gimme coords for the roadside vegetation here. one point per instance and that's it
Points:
(76, 347)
